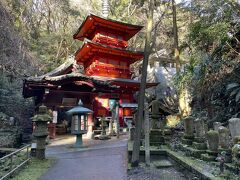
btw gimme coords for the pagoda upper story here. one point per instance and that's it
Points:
(105, 31)
(104, 51)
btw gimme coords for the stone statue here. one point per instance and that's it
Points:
(223, 137)
(224, 143)
(188, 130)
(221, 160)
(199, 128)
(188, 127)
(236, 155)
(213, 140)
(199, 139)
(234, 126)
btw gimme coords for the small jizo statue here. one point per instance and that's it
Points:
(221, 160)
(236, 153)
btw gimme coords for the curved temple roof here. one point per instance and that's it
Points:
(93, 22)
(61, 75)
(84, 52)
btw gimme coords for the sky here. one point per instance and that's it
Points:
(179, 1)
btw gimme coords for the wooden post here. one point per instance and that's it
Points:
(146, 132)
(111, 131)
(117, 119)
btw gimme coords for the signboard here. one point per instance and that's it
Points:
(55, 115)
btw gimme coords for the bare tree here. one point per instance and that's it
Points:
(141, 97)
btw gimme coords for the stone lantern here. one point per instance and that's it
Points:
(41, 131)
(79, 122)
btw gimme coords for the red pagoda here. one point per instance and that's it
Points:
(106, 75)
(104, 57)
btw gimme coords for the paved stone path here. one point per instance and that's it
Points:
(99, 160)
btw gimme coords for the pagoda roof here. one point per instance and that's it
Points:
(90, 47)
(93, 22)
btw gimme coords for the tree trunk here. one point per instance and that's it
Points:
(182, 98)
(49, 20)
(175, 36)
(146, 130)
(117, 119)
(141, 97)
(111, 126)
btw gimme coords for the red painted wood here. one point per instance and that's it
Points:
(106, 56)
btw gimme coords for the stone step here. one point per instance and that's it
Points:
(157, 143)
(199, 146)
(186, 141)
(163, 163)
(189, 151)
(159, 132)
(208, 158)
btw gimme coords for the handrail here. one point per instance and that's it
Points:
(11, 154)
(12, 170)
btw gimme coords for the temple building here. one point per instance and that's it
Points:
(99, 74)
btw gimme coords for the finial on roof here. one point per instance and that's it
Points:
(80, 102)
(105, 8)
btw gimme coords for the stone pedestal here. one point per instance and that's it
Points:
(156, 137)
(190, 151)
(159, 137)
(154, 122)
(199, 140)
(213, 142)
(224, 147)
(188, 134)
(209, 156)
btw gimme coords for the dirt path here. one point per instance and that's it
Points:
(99, 160)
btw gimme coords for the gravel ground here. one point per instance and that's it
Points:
(151, 173)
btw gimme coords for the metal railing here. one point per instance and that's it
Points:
(13, 161)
